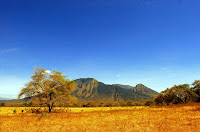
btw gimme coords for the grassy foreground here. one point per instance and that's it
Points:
(138, 119)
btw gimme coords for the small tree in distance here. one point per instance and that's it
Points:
(48, 87)
(148, 103)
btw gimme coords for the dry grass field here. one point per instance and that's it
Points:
(182, 118)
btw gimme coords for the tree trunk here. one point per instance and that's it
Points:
(49, 109)
(49, 106)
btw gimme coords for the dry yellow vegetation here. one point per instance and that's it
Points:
(129, 119)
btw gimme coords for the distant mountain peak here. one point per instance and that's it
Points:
(83, 80)
(87, 78)
(140, 84)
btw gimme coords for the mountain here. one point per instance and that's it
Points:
(139, 88)
(2, 98)
(5, 100)
(89, 89)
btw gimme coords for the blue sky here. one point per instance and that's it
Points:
(153, 42)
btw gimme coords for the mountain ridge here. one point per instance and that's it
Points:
(91, 89)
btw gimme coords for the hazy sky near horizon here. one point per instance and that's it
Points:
(153, 42)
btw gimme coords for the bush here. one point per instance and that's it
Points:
(148, 103)
(14, 111)
(108, 105)
(43, 110)
(2, 104)
(129, 103)
(123, 104)
(116, 104)
(137, 104)
(25, 104)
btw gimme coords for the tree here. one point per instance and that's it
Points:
(179, 94)
(148, 103)
(48, 87)
(196, 88)
(2, 104)
(158, 100)
(171, 97)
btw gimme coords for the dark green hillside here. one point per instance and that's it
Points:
(90, 89)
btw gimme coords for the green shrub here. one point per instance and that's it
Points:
(14, 111)
(2, 104)
(148, 103)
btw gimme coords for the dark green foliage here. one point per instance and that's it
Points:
(123, 104)
(129, 103)
(108, 105)
(90, 104)
(158, 100)
(148, 103)
(196, 88)
(14, 111)
(30, 104)
(2, 104)
(27, 104)
(176, 95)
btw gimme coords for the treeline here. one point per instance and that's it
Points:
(86, 104)
(180, 94)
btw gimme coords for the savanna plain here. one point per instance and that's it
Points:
(183, 118)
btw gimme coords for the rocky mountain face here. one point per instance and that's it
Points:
(90, 89)
(139, 88)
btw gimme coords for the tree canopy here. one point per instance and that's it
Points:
(196, 88)
(176, 95)
(48, 87)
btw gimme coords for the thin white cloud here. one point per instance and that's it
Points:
(5, 51)
(48, 71)
(164, 68)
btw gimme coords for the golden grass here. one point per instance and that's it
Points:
(129, 119)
